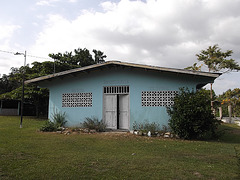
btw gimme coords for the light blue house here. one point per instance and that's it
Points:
(119, 93)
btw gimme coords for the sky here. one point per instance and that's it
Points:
(165, 33)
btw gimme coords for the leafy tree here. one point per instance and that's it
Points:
(80, 58)
(191, 116)
(41, 69)
(9, 82)
(10, 85)
(32, 94)
(217, 61)
(194, 67)
(99, 56)
(6, 84)
(230, 97)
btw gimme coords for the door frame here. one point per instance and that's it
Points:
(116, 90)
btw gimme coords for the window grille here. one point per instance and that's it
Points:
(158, 98)
(116, 90)
(77, 100)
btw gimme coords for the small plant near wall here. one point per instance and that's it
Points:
(49, 126)
(94, 124)
(59, 121)
(147, 128)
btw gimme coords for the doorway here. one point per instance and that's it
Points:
(116, 107)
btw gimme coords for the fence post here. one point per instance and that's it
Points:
(220, 112)
(230, 113)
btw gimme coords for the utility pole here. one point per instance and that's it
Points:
(23, 79)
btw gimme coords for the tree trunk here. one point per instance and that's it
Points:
(211, 97)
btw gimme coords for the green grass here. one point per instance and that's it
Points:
(29, 154)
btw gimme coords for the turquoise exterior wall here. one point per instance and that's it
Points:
(138, 80)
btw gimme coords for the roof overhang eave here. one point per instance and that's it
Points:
(147, 67)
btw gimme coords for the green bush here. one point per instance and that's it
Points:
(94, 123)
(59, 120)
(191, 116)
(49, 126)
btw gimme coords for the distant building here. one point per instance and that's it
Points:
(9, 107)
(119, 93)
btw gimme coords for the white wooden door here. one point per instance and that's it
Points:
(110, 111)
(123, 111)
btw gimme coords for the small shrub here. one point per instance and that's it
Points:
(152, 127)
(49, 126)
(59, 119)
(146, 126)
(94, 123)
(165, 128)
(135, 126)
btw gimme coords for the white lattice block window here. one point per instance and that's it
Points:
(158, 98)
(77, 100)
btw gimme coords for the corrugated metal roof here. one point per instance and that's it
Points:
(119, 63)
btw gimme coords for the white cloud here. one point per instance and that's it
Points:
(43, 3)
(72, 1)
(6, 36)
(108, 6)
(227, 31)
(46, 2)
(6, 31)
(52, 2)
(158, 32)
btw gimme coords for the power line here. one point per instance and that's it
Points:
(9, 52)
(40, 57)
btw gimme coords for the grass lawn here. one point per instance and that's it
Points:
(29, 154)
